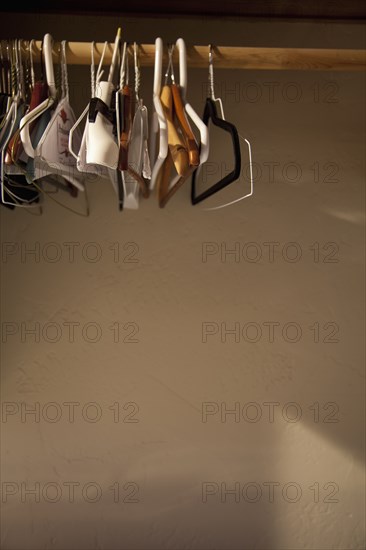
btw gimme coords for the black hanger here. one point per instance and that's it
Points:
(210, 112)
(121, 192)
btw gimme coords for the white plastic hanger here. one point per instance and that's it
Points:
(159, 125)
(143, 162)
(9, 121)
(11, 125)
(46, 104)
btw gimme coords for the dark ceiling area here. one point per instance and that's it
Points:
(313, 9)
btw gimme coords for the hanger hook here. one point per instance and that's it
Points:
(170, 68)
(21, 69)
(100, 70)
(124, 69)
(137, 71)
(31, 45)
(92, 69)
(210, 73)
(211, 81)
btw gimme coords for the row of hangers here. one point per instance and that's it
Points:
(44, 150)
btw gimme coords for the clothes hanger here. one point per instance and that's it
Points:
(138, 165)
(10, 116)
(178, 155)
(101, 146)
(195, 118)
(43, 107)
(6, 95)
(124, 109)
(140, 128)
(14, 147)
(14, 188)
(159, 129)
(38, 118)
(180, 108)
(188, 135)
(81, 156)
(11, 106)
(52, 154)
(210, 113)
(176, 145)
(48, 140)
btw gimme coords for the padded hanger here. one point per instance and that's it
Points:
(101, 146)
(81, 155)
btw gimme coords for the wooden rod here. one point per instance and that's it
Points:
(230, 57)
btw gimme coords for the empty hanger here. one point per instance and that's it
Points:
(14, 147)
(42, 107)
(159, 129)
(176, 145)
(124, 109)
(195, 118)
(14, 188)
(210, 113)
(181, 127)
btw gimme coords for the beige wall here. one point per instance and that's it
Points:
(164, 450)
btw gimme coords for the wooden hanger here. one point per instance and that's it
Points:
(176, 145)
(182, 146)
(188, 135)
(125, 106)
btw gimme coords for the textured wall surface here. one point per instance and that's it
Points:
(132, 435)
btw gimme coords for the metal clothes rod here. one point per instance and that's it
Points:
(231, 57)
